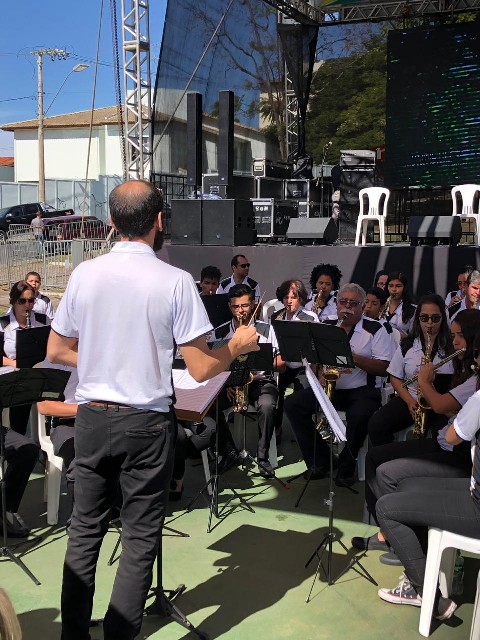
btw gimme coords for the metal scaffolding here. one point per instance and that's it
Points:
(136, 71)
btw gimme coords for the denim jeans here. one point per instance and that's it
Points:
(135, 448)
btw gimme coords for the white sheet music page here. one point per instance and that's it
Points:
(193, 396)
(327, 407)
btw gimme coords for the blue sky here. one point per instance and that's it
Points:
(73, 26)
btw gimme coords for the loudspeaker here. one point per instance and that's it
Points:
(433, 230)
(225, 136)
(351, 181)
(319, 230)
(194, 139)
(228, 223)
(186, 222)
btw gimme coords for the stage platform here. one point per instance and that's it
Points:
(429, 269)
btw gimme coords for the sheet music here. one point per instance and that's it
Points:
(328, 409)
(193, 399)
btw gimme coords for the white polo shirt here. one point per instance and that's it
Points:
(454, 310)
(127, 309)
(466, 425)
(10, 333)
(228, 283)
(43, 304)
(395, 319)
(406, 366)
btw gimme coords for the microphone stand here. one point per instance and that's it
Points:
(322, 173)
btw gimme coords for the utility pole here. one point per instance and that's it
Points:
(54, 54)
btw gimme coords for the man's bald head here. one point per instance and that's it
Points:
(134, 207)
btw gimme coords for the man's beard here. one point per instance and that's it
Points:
(158, 241)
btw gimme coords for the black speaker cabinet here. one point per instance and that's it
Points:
(228, 223)
(186, 222)
(351, 181)
(317, 230)
(241, 187)
(434, 230)
(194, 139)
(225, 136)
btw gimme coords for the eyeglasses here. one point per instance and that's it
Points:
(26, 300)
(461, 283)
(435, 318)
(244, 306)
(243, 266)
(346, 301)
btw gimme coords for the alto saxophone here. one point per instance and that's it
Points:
(241, 392)
(330, 375)
(316, 304)
(421, 412)
(385, 308)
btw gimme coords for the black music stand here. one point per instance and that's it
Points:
(25, 386)
(336, 431)
(316, 343)
(31, 346)
(216, 306)
(241, 369)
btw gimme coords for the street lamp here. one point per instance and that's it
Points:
(78, 68)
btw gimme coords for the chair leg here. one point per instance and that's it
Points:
(54, 481)
(447, 567)
(475, 632)
(364, 232)
(381, 224)
(357, 233)
(430, 583)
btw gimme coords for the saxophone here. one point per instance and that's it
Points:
(28, 321)
(316, 304)
(385, 308)
(421, 412)
(241, 392)
(330, 375)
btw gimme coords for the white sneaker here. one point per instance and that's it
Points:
(403, 593)
(446, 609)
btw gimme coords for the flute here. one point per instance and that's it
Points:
(409, 381)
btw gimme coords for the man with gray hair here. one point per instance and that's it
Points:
(354, 393)
(471, 299)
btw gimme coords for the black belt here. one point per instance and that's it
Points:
(109, 405)
(67, 422)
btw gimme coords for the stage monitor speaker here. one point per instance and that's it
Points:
(194, 139)
(317, 230)
(186, 222)
(434, 230)
(228, 223)
(225, 136)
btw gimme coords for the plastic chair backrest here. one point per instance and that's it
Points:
(377, 201)
(470, 194)
(270, 307)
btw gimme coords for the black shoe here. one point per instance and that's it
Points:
(344, 481)
(265, 469)
(314, 473)
(175, 494)
(14, 528)
(369, 544)
(391, 559)
(228, 461)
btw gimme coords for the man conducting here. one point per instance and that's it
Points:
(121, 334)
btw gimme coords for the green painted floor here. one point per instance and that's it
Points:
(246, 579)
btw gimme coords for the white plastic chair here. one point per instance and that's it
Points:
(270, 307)
(442, 548)
(377, 212)
(53, 473)
(467, 193)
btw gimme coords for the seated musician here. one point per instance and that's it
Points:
(374, 303)
(430, 340)
(355, 390)
(262, 391)
(387, 465)
(445, 503)
(240, 270)
(294, 296)
(399, 310)
(324, 280)
(209, 280)
(20, 316)
(471, 300)
(43, 304)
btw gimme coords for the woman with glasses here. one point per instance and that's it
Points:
(429, 340)
(400, 310)
(457, 295)
(21, 316)
(386, 466)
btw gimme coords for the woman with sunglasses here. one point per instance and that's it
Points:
(430, 330)
(399, 311)
(21, 316)
(388, 465)
(446, 503)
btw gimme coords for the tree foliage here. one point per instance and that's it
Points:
(347, 103)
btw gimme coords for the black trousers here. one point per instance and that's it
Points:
(420, 503)
(185, 446)
(394, 417)
(136, 448)
(298, 377)
(21, 453)
(358, 404)
(390, 464)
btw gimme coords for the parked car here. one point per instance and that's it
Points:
(25, 213)
(69, 227)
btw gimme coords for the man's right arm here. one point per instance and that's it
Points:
(203, 363)
(62, 350)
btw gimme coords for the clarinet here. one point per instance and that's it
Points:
(28, 321)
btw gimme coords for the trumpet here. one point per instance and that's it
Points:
(413, 379)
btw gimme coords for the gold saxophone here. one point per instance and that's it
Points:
(330, 375)
(316, 304)
(421, 412)
(241, 392)
(385, 308)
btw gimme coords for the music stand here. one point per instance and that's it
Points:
(25, 386)
(216, 306)
(336, 432)
(31, 346)
(241, 368)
